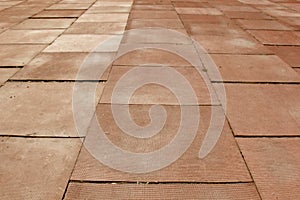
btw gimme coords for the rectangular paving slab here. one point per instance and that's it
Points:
(44, 24)
(6, 73)
(38, 109)
(276, 37)
(36, 168)
(105, 28)
(290, 54)
(223, 164)
(274, 164)
(59, 14)
(80, 191)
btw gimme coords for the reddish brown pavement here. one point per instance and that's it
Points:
(255, 45)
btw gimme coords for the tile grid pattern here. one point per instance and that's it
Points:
(254, 44)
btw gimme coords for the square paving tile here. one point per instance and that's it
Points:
(251, 109)
(85, 43)
(6, 73)
(44, 24)
(69, 6)
(49, 105)
(105, 17)
(18, 55)
(162, 191)
(276, 37)
(219, 165)
(29, 36)
(274, 164)
(151, 14)
(253, 68)
(157, 94)
(230, 44)
(64, 66)
(59, 13)
(263, 25)
(290, 54)
(162, 23)
(36, 168)
(96, 28)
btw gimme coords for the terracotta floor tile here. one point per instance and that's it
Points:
(85, 43)
(145, 56)
(290, 54)
(150, 14)
(219, 165)
(44, 24)
(62, 66)
(28, 162)
(250, 109)
(243, 8)
(292, 21)
(58, 13)
(162, 191)
(152, 7)
(105, 17)
(52, 117)
(75, 6)
(263, 25)
(207, 19)
(282, 13)
(156, 94)
(274, 164)
(113, 3)
(29, 36)
(6, 73)
(96, 28)
(276, 37)
(152, 2)
(231, 44)
(199, 11)
(162, 23)
(109, 9)
(189, 4)
(246, 15)
(297, 70)
(253, 68)
(18, 55)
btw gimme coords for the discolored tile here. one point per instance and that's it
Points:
(29, 36)
(158, 94)
(263, 25)
(59, 14)
(38, 108)
(276, 37)
(251, 109)
(231, 44)
(18, 55)
(253, 68)
(69, 6)
(27, 162)
(162, 23)
(219, 165)
(105, 17)
(96, 28)
(6, 73)
(161, 191)
(290, 54)
(65, 66)
(85, 43)
(274, 164)
(44, 24)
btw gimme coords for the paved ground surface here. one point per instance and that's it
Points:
(255, 45)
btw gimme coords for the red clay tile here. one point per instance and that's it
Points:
(157, 94)
(290, 54)
(274, 164)
(58, 13)
(52, 117)
(230, 44)
(253, 68)
(62, 66)
(6, 73)
(262, 25)
(251, 109)
(92, 191)
(219, 165)
(29, 36)
(276, 37)
(44, 24)
(27, 162)
(18, 55)
(96, 28)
